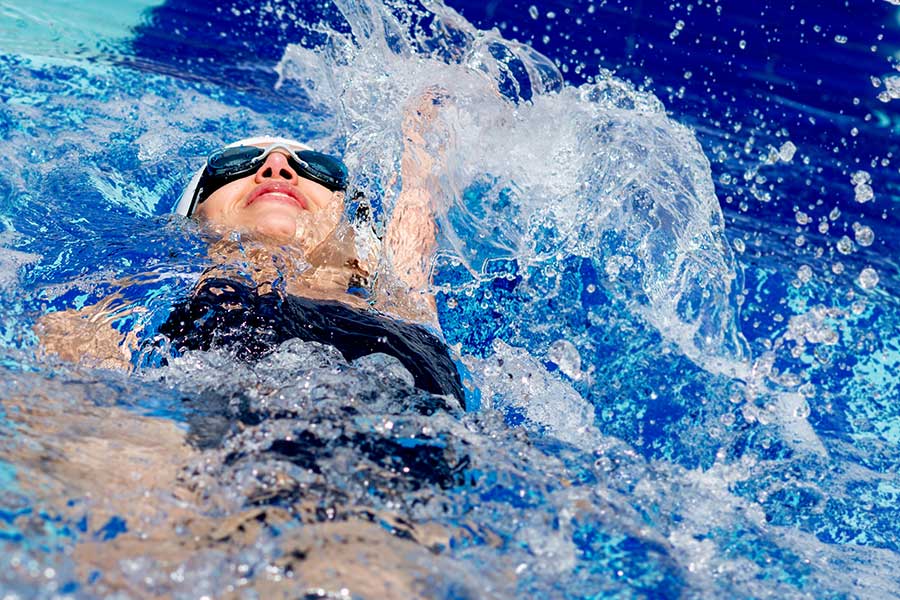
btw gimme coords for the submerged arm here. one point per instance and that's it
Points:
(88, 336)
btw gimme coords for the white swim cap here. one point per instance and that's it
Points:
(187, 202)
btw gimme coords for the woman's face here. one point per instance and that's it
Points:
(274, 203)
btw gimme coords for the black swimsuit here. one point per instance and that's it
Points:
(224, 312)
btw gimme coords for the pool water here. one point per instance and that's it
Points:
(667, 270)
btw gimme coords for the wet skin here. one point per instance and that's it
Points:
(276, 204)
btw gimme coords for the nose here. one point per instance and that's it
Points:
(276, 167)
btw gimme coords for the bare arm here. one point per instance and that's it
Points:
(411, 232)
(87, 335)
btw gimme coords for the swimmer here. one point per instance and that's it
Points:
(281, 197)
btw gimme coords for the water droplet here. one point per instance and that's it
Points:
(891, 87)
(787, 151)
(864, 235)
(863, 193)
(533, 12)
(742, 44)
(844, 245)
(566, 357)
(840, 39)
(804, 273)
(801, 411)
(868, 278)
(860, 177)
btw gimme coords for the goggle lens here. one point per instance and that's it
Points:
(321, 168)
(234, 158)
(325, 167)
(230, 164)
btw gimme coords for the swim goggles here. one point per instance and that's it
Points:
(245, 157)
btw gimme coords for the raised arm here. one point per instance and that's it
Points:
(410, 233)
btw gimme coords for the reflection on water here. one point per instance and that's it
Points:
(622, 438)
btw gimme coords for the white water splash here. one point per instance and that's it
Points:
(530, 169)
(513, 378)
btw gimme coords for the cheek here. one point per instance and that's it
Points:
(222, 202)
(320, 196)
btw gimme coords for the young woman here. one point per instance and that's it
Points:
(285, 203)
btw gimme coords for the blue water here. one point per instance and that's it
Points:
(668, 267)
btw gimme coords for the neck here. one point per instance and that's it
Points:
(327, 270)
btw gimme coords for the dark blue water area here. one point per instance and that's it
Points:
(746, 77)
(735, 72)
(798, 71)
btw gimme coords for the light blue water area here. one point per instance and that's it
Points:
(59, 29)
(673, 299)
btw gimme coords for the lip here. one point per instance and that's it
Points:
(277, 190)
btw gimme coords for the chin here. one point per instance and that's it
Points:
(282, 230)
